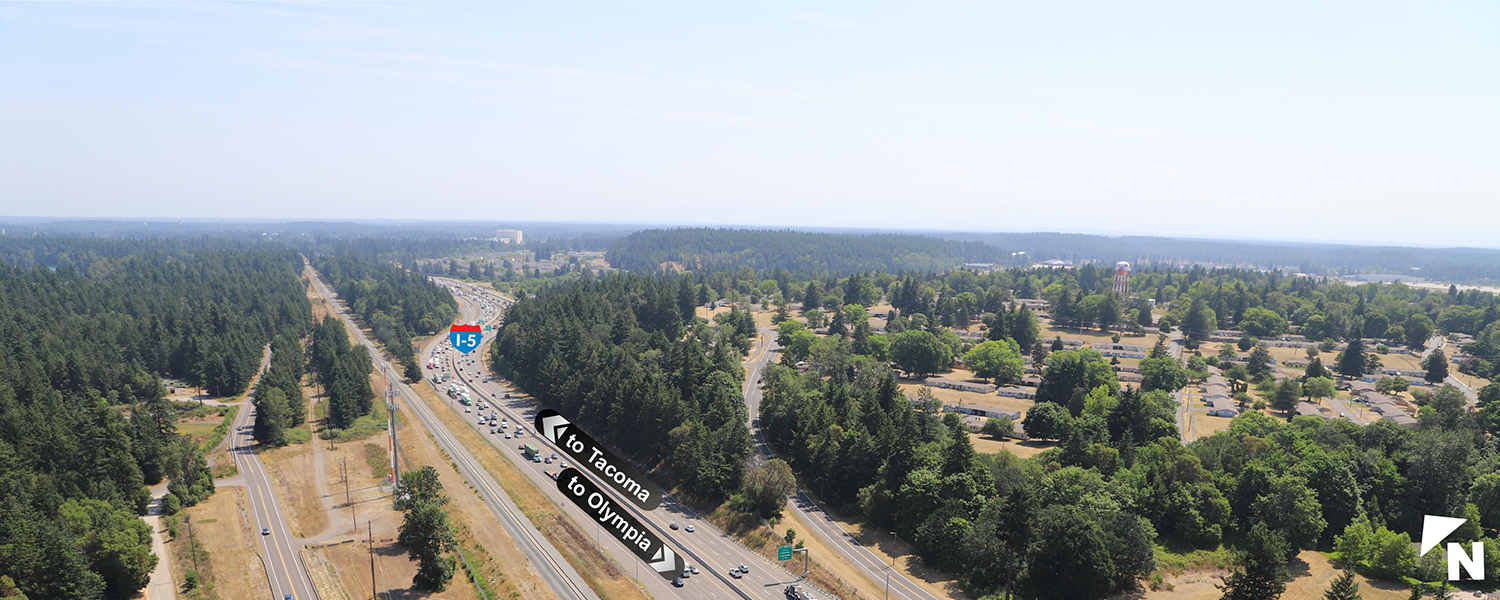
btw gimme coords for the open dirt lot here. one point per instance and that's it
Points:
(1091, 335)
(222, 527)
(1311, 574)
(1020, 448)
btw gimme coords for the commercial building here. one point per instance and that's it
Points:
(508, 236)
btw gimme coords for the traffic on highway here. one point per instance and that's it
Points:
(716, 557)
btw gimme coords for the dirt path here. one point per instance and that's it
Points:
(161, 586)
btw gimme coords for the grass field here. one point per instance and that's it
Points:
(223, 531)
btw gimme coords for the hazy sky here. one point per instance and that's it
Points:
(1318, 121)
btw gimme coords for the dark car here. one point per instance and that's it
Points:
(678, 582)
(673, 526)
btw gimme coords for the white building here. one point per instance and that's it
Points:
(508, 236)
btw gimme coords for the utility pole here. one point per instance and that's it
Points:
(192, 540)
(344, 474)
(371, 546)
(888, 571)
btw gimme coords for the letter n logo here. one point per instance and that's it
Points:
(1474, 564)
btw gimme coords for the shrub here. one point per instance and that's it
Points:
(170, 504)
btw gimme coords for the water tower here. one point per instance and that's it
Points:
(1122, 279)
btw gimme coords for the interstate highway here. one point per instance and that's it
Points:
(712, 551)
(554, 570)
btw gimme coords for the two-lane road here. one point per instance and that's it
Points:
(844, 543)
(278, 548)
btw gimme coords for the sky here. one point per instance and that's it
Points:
(1343, 121)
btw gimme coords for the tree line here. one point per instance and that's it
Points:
(85, 426)
(624, 357)
(795, 251)
(396, 304)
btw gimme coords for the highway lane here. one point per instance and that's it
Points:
(842, 542)
(710, 550)
(550, 565)
(278, 549)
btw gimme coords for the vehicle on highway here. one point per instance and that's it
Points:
(735, 573)
(673, 526)
(549, 461)
(678, 582)
(507, 436)
(689, 528)
(686, 573)
(492, 430)
(265, 531)
(532, 452)
(744, 569)
(693, 569)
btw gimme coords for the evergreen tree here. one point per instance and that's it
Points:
(1262, 571)
(1436, 364)
(1352, 360)
(1343, 588)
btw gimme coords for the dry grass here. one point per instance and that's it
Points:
(198, 430)
(1020, 448)
(291, 467)
(1091, 335)
(221, 526)
(954, 396)
(827, 570)
(878, 540)
(1311, 575)
(599, 571)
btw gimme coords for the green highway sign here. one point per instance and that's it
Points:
(783, 553)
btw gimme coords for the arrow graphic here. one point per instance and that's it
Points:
(1434, 529)
(665, 561)
(552, 427)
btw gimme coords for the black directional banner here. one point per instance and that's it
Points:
(598, 459)
(614, 518)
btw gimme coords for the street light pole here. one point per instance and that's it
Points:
(888, 569)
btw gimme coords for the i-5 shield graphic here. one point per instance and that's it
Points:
(465, 338)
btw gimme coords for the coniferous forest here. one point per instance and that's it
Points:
(397, 305)
(622, 355)
(84, 423)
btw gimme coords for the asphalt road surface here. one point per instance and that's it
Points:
(842, 542)
(712, 551)
(554, 570)
(278, 549)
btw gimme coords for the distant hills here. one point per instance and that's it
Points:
(843, 253)
(804, 250)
